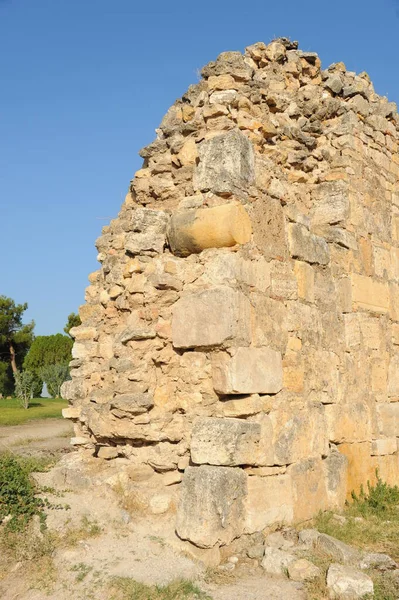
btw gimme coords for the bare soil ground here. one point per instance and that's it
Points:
(36, 438)
(95, 540)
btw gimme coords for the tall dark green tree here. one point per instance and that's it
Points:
(73, 321)
(48, 350)
(15, 340)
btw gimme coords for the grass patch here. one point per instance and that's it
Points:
(372, 520)
(11, 412)
(124, 588)
(74, 535)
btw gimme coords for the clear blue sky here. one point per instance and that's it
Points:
(83, 85)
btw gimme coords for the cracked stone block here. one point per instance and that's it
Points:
(211, 507)
(307, 246)
(228, 442)
(248, 371)
(226, 164)
(211, 317)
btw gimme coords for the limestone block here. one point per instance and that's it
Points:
(73, 389)
(248, 371)
(192, 231)
(72, 412)
(228, 442)
(369, 294)
(305, 279)
(335, 467)
(382, 446)
(134, 404)
(303, 570)
(298, 434)
(361, 466)
(247, 406)
(331, 203)
(347, 583)
(336, 549)
(226, 164)
(308, 488)
(307, 246)
(148, 231)
(211, 507)
(276, 562)
(269, 501)
(393, 377)
(394, 301)
(388, 419)
(348, 422)
(211, 317)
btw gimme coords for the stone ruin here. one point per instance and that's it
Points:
(238, 358)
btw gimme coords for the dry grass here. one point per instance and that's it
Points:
(123, 588)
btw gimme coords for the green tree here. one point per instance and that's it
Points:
(48, 350)
(15, 340)
(73, 321)
(54, 376)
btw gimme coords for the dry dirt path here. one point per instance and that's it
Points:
(37, 437)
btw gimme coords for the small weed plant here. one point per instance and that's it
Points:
(18, 501)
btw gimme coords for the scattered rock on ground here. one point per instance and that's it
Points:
(347, 583)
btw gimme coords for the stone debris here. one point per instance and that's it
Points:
(241, 334)
(347, 583)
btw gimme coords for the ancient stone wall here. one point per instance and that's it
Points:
(239, 349)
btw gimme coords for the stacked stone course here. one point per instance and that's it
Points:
(239, 347)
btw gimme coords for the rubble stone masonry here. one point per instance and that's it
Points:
(238, 357)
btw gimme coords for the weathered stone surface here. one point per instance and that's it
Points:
(248, 371)
(228, 442)
(376, 560)
(226, 164)
(346, 583)
(369, 294)
(336, 549)
(210, 511)
(148, 231)
(176, 328)
(303, 570)
(307, 246)
(135, 404)
(223, 226)
(332, 203)
(276, 562)
(269, 501)
(211, 318)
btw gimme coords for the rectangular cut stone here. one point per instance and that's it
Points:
(305, 279)
(335, 467)
(226, 164)
(308, 488)
(211, 317)
(384, 446)
(211, 507)
(393, 377)
(388, 419)
(369, 294)
(348, 422)
(361, 467)
(228, 442)
(248, 371)
(269, 501)
(307, 246)
(331, 203)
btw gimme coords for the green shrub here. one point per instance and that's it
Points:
(380, 499)
(17, 493)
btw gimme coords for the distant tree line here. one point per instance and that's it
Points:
(27, 361)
